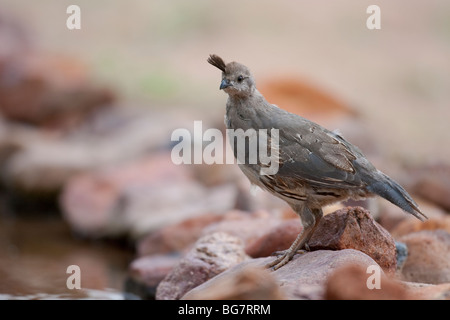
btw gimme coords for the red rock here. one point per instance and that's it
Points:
(428, 257)
(350, 283)
(354, 228)
(211, 255)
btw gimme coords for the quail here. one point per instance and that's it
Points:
(316, 167)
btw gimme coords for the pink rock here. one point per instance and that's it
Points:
(146, 273)
(93, 203)
(211, 255)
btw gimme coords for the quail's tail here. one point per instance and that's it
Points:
(393, 192)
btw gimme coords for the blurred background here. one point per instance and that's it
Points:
(87, 115)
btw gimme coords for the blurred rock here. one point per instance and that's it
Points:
(413, 225)
(279, 237)
(300, 97)
(249, 283)
(425, 291)
(350, 283)
(41, 89)
(391, 216)
(146, 273)
(429, 257)
(35, 162)
(49, 91)
(138, 198)
(176, 237)
(249, 227)
(432, 183)
(302, 278)
(354, 228)
(211, 255)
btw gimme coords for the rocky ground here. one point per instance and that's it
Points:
(197, 230)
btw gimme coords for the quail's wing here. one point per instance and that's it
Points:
(313, 153)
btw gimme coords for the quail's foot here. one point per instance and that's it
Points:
(283, 257)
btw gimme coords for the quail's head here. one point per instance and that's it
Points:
(236, 78)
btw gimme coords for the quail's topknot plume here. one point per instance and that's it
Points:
(317, 167)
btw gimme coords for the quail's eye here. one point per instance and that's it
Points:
(240, 78)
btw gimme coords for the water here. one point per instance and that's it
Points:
(36, 250)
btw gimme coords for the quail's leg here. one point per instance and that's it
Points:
(310, 221)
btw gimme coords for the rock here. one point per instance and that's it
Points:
(429, 257)
(413, 225)
(426, 291)
(350, 283)
(248, 283)
(432, 183)
(247, 226)
(176, 237)
(146, 273)
(49, 91)
(211, 255)
(297, 96)
(354, 228)
(37, 162)
(137, 198)
(278, 238)
(390, 216)
(303, 277)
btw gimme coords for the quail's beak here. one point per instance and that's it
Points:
(225, 84)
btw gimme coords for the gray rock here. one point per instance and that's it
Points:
(302, 278)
